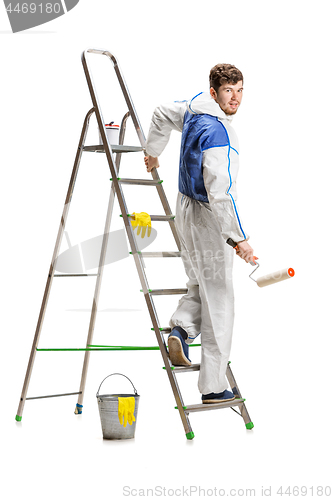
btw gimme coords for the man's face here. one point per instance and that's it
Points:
(228, 97)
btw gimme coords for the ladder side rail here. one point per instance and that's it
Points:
(133, 245)
(121, 138)
(53, 262)
(124, 89)
(161, 342)
(166, 207)
(137, 126)
(236, 391)
(115, 183)
(142, 140)
(100, 271)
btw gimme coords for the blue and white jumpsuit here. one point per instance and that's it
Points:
(206, 216)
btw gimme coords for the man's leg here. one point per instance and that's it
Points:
(186, 321)
(211, 260)
(217, 317)
(188, 312)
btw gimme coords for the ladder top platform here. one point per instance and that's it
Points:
(115, 149)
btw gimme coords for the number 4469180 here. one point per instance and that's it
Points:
(317, 491)
(33, 8)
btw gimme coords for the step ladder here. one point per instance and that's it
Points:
(113, 154)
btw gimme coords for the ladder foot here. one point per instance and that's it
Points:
(18, 418)
(249, 426)
(190, 435)
(78, 409)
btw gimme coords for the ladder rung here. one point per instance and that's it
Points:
(71, 275)
(115, 149)
(143, 182)
(213, 406)
(166, 218)
(192, 368)
(56, 395)
(167, 291)
(163, 330)
(160, 254)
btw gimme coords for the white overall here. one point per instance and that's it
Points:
(208, 307)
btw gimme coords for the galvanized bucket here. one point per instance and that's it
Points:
(108, 411)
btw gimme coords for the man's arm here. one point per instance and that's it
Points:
(166, 118)
(217, 183)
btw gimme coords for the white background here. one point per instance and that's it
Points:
(281, 354)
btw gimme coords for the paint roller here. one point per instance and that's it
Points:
(268, 279)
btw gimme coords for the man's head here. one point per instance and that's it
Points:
(226, 87)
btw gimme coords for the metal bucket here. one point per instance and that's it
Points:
(108, 412)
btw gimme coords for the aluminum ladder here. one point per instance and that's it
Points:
(116, 189)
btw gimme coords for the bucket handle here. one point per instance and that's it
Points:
(136, 393)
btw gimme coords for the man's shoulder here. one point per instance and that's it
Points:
(207, 129)
(213, 132)
(208, 121)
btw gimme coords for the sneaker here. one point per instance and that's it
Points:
(219, 397)
(178, 349)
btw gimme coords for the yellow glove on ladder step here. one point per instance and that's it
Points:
(141, 220)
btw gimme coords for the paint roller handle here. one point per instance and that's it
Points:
(234, 245)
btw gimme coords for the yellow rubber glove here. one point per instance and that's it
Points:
(126, 408)
(142, 220)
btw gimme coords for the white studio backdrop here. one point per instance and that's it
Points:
(282, 337)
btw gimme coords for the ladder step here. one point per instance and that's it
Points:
(142, 182)
(167, 291)
(71, 275)
(160, 254)
(192, 368)
(115, 149)
(213, 406)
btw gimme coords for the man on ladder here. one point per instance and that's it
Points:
(206, 217)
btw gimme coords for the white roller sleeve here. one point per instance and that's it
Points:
(270, 279)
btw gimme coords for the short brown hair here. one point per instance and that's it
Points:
(222, 74)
